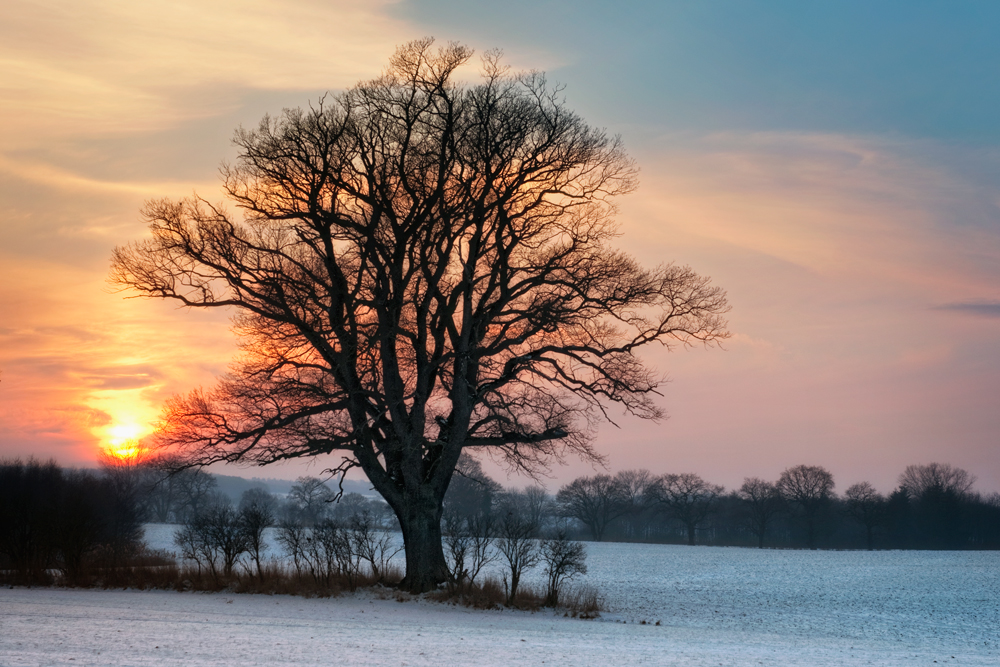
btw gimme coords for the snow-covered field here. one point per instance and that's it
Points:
(717, 606)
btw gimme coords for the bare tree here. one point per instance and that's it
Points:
(809, 488)
(311, 497)
(214, 537)
(866, 506)
(469, 519)
(194, 491)
(515, 541)
(763, 502)
(161, 492)
(918, 479)
(257, 511)
(536, 504)
(564, 559)
(593, 501)
(471, 491)
(293, 537)
(686, 498)
(635, 486)
(420, 267)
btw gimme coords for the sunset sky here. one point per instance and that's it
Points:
(834, 166)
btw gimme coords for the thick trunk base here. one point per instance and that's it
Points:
(426, 567)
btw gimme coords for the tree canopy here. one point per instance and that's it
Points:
(418, 267)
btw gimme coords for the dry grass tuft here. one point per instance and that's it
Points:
(578, 602)
(152, 570)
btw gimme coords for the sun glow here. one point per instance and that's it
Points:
(130, 417)
(124, 440)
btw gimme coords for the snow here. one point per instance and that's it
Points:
(716, 606)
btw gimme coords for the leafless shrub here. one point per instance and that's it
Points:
(256, 514)
(371, 543)
(563, 559)
(515, 533)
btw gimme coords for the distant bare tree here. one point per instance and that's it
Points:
(195, 489)
(687, 498)
(536, 504)
(469, 520)
(161, 491)
(312, 497)
(593, 501)
(635, 488)
(809, 488)
(918, 479)
(471, 491)
(866, 506)
(763, 502)
(227, 532)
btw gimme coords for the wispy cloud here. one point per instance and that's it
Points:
(112, 67)
(978, 308)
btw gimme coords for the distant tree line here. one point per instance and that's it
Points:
(73, 522)
(933, 507)
(80, 523)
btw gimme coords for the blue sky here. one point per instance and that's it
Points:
(916, 69)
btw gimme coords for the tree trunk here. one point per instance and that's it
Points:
(597, 530)
(515, 581)
(691, 529)
(420, 521)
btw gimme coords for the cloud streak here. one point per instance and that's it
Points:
(980, 309)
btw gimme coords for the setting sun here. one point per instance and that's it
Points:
(123, 441)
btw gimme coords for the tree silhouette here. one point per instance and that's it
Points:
(919, 479)
(809, 488)
(763, 502)
(687, 498)
(594, 501)
(420, 267)
(866, 506)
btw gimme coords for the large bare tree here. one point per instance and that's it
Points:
(419, 267)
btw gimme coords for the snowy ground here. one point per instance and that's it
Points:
(717, 607)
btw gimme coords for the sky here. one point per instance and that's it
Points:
(834, 166)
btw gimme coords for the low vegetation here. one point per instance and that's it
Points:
(328, 547)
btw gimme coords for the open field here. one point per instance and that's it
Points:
(716, 606)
